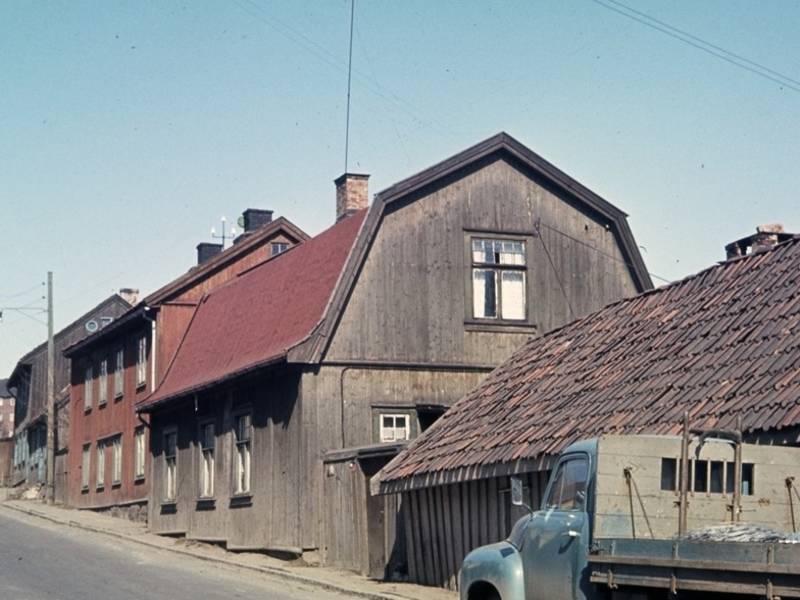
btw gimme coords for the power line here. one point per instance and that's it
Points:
(349, 80)
(700, 44)
(555, 270)
(22, 293)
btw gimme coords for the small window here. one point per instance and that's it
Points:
(207, 460)
(700, 476)
(116, 453)
(278, 247)
(119, 370)
(669, 474)
(717, 474)
(170, 465)
(395, 428)
(88, 384)
(498, 279)
(102, 396)
(139, 452)
(242, 434)
(101, 465)
(568, 490)
(85, 466)
(748, 481)
(141, 362)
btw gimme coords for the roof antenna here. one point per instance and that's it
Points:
(349, 79)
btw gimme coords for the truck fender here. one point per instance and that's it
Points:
(498, 565)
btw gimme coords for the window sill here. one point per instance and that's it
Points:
(501, 325)
(85, 489)
(141, 385)
(115, 484)
(240, 500)
(169, 507)
(99, 488)
(102, 404)
(118, 397)
(206, 504)
(87, 410)
(138, 479)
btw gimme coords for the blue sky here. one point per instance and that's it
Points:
(128, 129)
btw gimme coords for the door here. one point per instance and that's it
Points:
(554, 554)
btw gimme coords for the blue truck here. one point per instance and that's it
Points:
(701, 515)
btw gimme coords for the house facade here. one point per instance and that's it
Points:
(6, 411)
(108, 462)
(28, 385)
(266, 439)
(721, 345)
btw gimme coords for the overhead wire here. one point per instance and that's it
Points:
(702, 45)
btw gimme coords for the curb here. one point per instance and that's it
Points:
(271, 571)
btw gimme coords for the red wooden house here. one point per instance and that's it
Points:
(115, 368)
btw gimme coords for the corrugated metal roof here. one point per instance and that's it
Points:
(257, 317)
(721, 344)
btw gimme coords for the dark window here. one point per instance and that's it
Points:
(568, 491)
(748, 478)
(716, 476)
(669, 474)
(700, 476)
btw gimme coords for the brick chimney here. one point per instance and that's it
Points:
(352, 194)
(130, 295)
(207, 251)
(765, 237)
(255, 218)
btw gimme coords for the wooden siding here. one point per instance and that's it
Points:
(444, 523)
(410, 302)
(270, 518)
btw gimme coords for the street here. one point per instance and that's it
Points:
(40, 561)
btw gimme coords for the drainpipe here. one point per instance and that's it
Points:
(341, 398)
(153, 346)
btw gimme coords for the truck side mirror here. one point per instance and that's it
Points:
(517, 497)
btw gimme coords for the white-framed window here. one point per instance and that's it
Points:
(207, 460)
(119, 373)
(395, 427)
(241, 471)
(88, 384)
(498, 279)
(278, 247)
(102, 395)
(170, 465)
(141, 361)
(139, 443)
(101, 464)
(85, 466)
(116, 454)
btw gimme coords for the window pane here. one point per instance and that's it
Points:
(484, 291)
(513, 294)
(569, 486)
(669, 473)
(716, 476)
(700, 475)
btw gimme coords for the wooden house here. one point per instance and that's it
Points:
(119, 366)
(722, 344)
(28, 385)
(300, 379)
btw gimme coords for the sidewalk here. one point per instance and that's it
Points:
(349, 584)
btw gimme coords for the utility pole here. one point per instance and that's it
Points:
(51, 397)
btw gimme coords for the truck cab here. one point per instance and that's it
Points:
(619, 520)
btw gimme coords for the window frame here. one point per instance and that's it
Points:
(393, 415)
(139, 438)
(86, 467)
(170, 487)
(573, 456)
(247, 465)
(141, 361)
(100, 465)
(497, 322)
(206, 474)
(102, 379)
(116, 460)
(119, 373)
(274, 245)
(88, 387)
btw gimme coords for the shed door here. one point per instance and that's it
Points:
(554, 552)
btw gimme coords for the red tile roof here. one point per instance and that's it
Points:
(720, 344)
(255, 319)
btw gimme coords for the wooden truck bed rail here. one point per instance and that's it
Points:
(745, 568)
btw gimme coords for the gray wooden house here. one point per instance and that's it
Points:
(299, 380)
(721, 344)
(28, 384)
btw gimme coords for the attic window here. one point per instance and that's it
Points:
(278, 248)
(498, 279)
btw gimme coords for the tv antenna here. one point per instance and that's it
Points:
(224, 236)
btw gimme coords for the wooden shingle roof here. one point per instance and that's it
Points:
(722, 343)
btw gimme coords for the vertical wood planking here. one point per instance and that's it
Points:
(411, 548)
(458, 524)
(493, 511)
(428, 542)
(444, 498)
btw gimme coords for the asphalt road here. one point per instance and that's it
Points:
(40, 561)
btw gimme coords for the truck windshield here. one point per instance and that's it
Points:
(568, 491)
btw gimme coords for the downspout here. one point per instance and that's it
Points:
(153, 346)
(341, 399)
